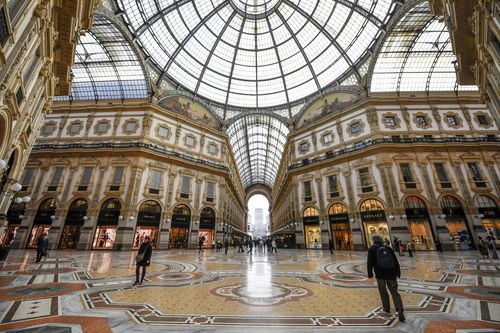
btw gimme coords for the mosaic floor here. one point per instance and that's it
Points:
(294, 290)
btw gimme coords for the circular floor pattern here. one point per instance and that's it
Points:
(36, 291)
(482, 293)
(45, 271)
(175, 276)
(261, 295)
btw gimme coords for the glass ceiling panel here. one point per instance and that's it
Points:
(417, 56)
(258, 142)
(248, 53)
(105, 66)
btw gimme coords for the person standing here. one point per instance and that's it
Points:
(226, 246)
(200, 244)
(273, 246)
(439, 248)
(330, 245)
(483, 247)
(409, 247)
(250, 247)
(218, 245)
(143, 259)
(42, 245)
(492, 247)
(240, 246)
(213, 244)
(383, 261)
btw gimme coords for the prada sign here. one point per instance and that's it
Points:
(181, 220)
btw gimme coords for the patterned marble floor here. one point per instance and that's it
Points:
(292, 291)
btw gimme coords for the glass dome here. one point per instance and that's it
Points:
(256, 53)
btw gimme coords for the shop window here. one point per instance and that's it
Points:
(476, 175)
(117, 179)
(333, 186)
(307, 191)
(84, 183)
(210, 191)
(186, 184)
(365, 180)
(155, 182)
(56, 178)
(482, 120)
(407, 175)
(442, 175)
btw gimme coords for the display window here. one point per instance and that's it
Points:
(142, 232)
(421, 236)
(104, 237)
(9, 235)
(178, 238)
(342, 236)
(376, 228)
(36, 232)
(208, 235)
(313, 236)
(70, 237)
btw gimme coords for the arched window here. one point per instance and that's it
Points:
(77, 210)
(337, 209)
(311, 211)
(46, 209)
(110, 212)
(149, 213)
(449, 201)
(111, 204)
(484, 201)
(414, 202)
(80, 204)
(150, 206)
(182, 210)
(48, 204)
(207, 213)
(371, 204)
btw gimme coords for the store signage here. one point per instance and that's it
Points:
(181, 220)
(373, 215)
(416, 214)
(311, 220)
(339, 218)
(490, 212)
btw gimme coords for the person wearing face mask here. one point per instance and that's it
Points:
(143, 259)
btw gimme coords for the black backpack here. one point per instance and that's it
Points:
(385, 259)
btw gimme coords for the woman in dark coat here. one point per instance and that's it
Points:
(143, 259)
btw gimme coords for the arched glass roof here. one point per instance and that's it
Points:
(258, 141)
(417, 56)
(106, 67)
(256, 53)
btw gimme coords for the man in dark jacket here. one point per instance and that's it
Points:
(42, 244)
(143, 259)
(383, 261)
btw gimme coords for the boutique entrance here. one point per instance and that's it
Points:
(490, 215)
(312, 229)
(107, 222)
(15, 215)
(179, 232)
(374, 221)
(207, 226)
(148, 222)
(73, 224)
(419, 223)
(43, 221)
(339, 225)
(456, 223)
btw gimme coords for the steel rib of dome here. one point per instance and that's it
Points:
(255, 53)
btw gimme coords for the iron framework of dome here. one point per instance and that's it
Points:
(256, 53)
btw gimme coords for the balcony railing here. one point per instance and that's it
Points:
(384, 141)
(124, 145)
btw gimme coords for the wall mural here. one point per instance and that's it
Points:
(326, 105)
(190, 109)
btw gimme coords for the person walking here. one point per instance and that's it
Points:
(213, 244)
(226, 246)
(240, 246)
(273, 246)
(439, 248)
(483, 247)
(409, 247)
(250, 247)
(218, 245)
(330, 245)
(200, 244)
(383, 261)
(42, 245)
(143, 259)
(492, 247)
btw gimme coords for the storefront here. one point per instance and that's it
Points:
(374, 221)
(14, 219)
(285, 240)
(43, 221)
(73, 224)
(456, 223)
(107, 222)
(419, 223)
(148, 223)
(179, 231)
(207, 226)
(340, 227)
(490, 215)
(312, 229)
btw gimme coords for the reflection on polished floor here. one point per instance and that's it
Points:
(294, 290)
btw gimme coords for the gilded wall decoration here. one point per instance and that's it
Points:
(329, 104)
(190, 109)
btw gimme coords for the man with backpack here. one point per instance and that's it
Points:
(383, 261)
